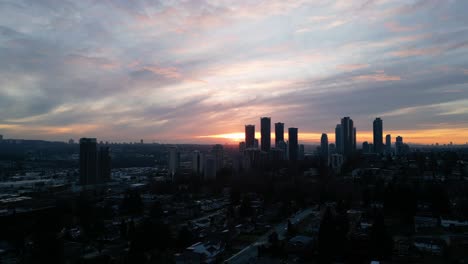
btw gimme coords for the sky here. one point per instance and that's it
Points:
(197, 71)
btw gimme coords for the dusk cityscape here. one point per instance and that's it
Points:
(309, 131)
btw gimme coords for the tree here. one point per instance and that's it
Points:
(381, 241)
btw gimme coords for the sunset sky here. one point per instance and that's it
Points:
(198, 71)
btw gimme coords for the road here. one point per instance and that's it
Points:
(249, 253)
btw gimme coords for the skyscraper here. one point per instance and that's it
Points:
(354, 139)
(348, 136)
(293, 144)
(301, 155)
(88, 161)
(279, 133)
(324, 148)
(249, 136)
(104, 165)
(210, 168)
(197, 162)
(339, 139)
(388, 144)
(378, 136)
(265, 129)
(399, 146)
(241, 147)
(174, 159)
(218, 154)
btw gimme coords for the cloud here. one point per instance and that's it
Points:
(416, 52)
(396, 27)
(377, 77)
(157, 69)
(352, 67)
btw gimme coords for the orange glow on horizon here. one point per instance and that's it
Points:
(428, 136)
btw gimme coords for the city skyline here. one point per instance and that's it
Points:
(122, 71)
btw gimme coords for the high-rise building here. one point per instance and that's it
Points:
(331, 148)
(251, 158)
(324, 148)
(301, 152)
(210, 168)
(1, 138)
(339, 138)
(218, 154)
(249, 136)
(70, 141)
(348, 136)
(279, 133)
(265, 129)
(399, 146)
(174, 160)
(354, 139)
(388, 144)
(336, 162)
(88, 161)
(104, 165)
(293, 144)
(378, 135)
(255, 143)
(284, 149)
(241, 147)
(197, 162)
(365, 147)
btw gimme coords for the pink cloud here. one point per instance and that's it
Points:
(352, 67)
(85, 61)
(415, 52)
(377, 77)
(168, 72)
(396, 27)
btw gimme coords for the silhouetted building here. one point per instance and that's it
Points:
(284, 149)
(339, 139)
(242, 147)
(399, 146)
(354, 139)
(255, 143)
(276, 154)
(1, 138)
(378, 135)
(249, 136)
(104, 165)
(197, 162)
(388, 144)
(293, 144)
(251, 158)
(265, 129)
(348, 136)
(324, 148)
(279, 133)
(301, 152)
(210, 167)
(70, 141)
(174, 160)
(331, 148)
(336, 161)
(88, 161)
(365, 147)
(218, 154)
